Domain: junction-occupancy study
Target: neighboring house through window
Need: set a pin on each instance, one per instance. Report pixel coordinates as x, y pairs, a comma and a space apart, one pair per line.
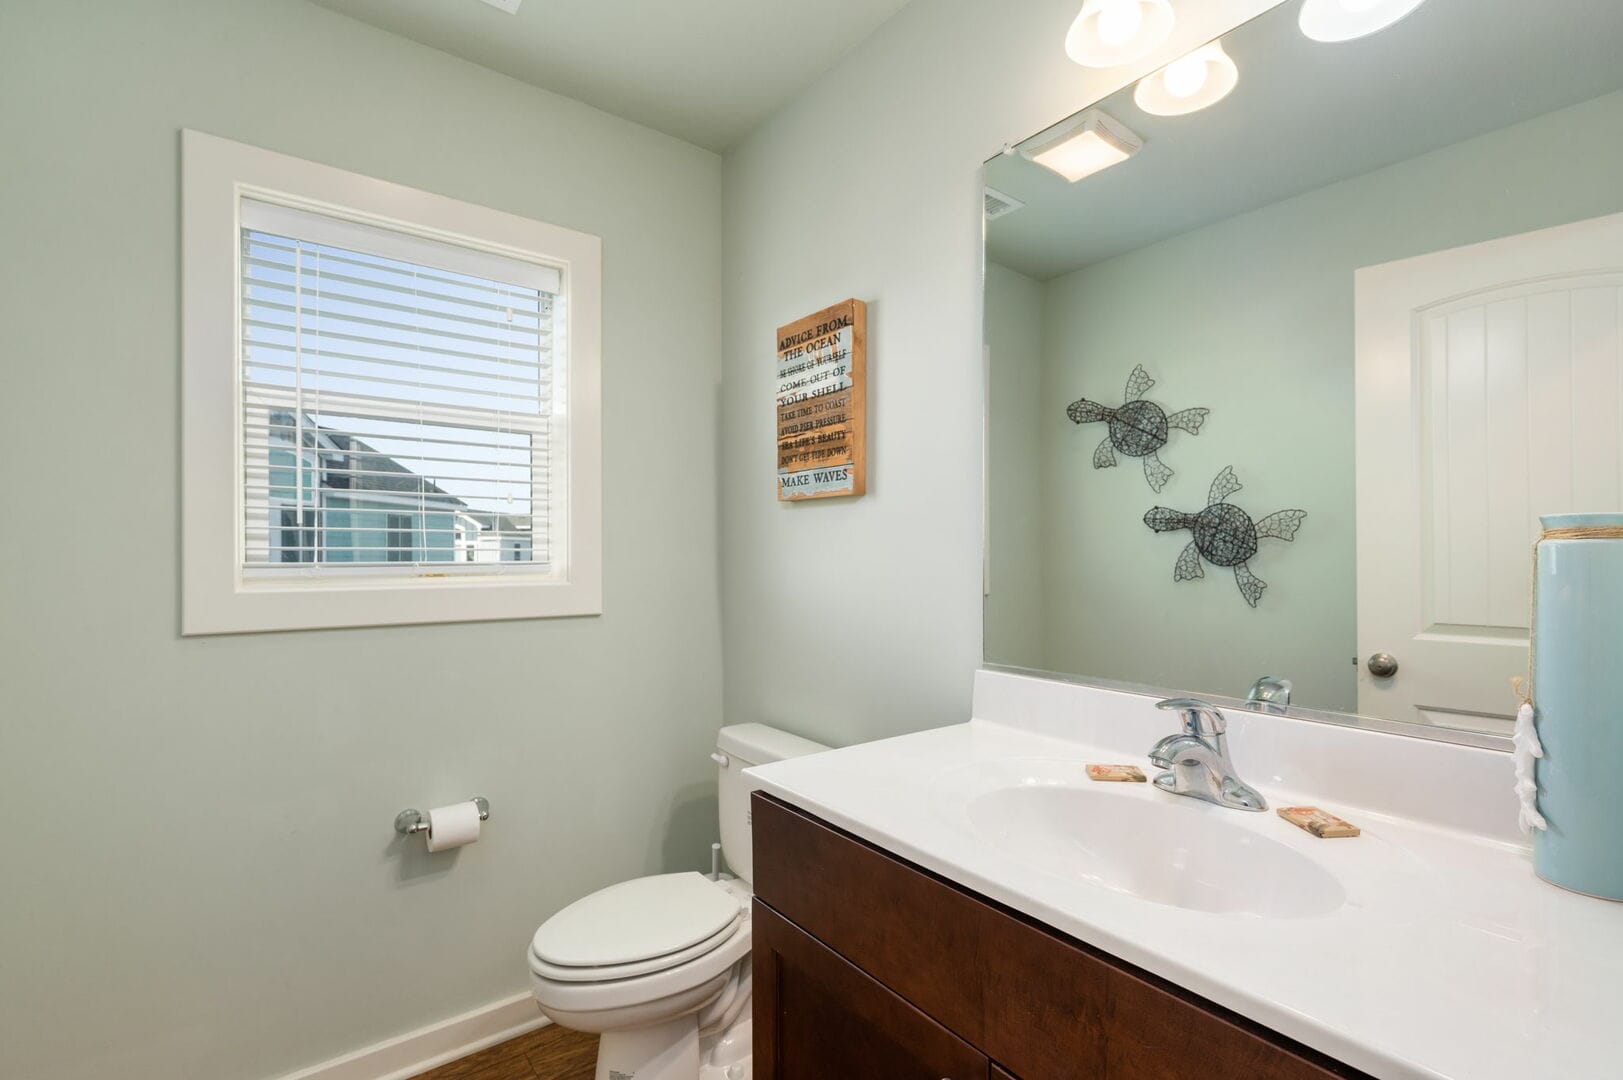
298, 536
401, 531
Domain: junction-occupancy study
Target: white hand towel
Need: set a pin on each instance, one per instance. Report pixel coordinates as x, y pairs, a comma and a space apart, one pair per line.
1527, 748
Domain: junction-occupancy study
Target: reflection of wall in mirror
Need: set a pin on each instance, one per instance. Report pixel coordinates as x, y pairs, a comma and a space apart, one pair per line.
1252, 316
1014, 619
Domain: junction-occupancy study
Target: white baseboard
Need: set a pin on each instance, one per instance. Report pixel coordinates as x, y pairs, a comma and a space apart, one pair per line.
418, 1051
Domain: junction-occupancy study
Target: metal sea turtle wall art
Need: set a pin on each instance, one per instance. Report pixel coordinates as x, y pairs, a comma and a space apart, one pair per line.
1138, 428
1225, 535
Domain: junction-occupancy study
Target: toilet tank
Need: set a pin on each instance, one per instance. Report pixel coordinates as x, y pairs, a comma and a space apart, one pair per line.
738, 747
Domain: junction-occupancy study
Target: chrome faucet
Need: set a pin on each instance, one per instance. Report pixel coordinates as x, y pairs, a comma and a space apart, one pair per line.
1197, 759
1269, 694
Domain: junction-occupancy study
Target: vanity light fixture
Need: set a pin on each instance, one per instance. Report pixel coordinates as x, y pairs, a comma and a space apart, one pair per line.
1344, 20
1083, 145
1109, 33
1189, 84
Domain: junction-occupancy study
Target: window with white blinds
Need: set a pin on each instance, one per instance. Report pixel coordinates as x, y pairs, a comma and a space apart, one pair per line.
401, 399
390, 402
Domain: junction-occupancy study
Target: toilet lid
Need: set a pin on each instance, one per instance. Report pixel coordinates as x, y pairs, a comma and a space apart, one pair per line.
637, 920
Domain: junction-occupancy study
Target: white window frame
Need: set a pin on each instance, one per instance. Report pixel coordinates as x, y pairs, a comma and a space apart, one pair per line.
217, 595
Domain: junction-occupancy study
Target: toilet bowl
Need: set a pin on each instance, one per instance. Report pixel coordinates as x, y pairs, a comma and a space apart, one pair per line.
659, 967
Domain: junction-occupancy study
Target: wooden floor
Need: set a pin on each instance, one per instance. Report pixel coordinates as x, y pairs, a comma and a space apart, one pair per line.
552, 1053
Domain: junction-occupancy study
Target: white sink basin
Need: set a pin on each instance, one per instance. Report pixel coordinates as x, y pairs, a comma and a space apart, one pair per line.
1166, 849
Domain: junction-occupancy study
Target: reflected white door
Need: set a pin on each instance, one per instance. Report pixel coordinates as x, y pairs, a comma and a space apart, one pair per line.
1489, 391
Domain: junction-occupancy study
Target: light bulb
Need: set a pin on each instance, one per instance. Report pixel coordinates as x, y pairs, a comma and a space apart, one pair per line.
1120, 22
1345, 20
1185, 77
1188, 84
1109, 33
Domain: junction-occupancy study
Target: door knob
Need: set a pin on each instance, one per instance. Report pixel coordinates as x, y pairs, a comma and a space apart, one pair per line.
1383, 665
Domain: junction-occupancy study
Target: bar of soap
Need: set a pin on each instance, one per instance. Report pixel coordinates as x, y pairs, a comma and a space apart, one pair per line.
1321, 823
1116, 774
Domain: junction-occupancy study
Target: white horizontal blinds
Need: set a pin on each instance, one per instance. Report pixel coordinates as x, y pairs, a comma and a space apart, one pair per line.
397, 411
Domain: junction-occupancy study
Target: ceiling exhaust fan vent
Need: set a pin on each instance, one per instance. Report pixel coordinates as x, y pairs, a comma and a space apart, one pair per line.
1000, 205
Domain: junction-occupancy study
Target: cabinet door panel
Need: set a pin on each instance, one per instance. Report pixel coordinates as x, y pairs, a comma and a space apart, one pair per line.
900, 925
818, 1017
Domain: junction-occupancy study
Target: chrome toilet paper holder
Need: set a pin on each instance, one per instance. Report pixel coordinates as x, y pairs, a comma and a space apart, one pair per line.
415, 821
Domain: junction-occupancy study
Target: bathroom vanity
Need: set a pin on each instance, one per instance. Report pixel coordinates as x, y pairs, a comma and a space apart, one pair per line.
867, 966
964, 900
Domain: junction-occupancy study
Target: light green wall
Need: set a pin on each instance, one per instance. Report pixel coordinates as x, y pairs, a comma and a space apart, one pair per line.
1253, 317
200, 878
1014, 500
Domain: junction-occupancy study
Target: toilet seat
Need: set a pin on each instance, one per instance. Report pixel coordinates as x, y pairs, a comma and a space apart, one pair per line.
704, 975
636, 921
650, 966
700, 968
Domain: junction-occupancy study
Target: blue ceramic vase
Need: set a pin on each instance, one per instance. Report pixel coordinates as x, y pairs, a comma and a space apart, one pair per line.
1578, 697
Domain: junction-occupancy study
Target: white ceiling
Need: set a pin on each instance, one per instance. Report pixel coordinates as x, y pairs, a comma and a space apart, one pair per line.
707, 71
1306, 115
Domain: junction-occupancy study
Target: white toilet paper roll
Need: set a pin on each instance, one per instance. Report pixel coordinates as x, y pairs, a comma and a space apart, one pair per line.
452, 826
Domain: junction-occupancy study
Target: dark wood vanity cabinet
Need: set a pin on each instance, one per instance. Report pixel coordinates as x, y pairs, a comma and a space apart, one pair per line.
831, 1020
869, 967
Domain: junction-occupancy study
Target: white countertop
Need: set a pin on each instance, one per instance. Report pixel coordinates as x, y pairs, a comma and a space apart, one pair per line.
1448, 961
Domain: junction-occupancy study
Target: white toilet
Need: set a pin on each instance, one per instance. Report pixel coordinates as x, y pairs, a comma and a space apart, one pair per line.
660, 966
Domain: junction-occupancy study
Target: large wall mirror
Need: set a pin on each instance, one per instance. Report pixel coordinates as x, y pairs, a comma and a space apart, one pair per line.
1280, 386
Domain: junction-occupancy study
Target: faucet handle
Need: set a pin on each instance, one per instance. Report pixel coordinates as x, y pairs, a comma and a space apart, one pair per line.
1199, 717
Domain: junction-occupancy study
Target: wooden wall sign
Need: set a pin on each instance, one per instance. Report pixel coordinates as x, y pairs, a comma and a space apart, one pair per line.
823, 404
